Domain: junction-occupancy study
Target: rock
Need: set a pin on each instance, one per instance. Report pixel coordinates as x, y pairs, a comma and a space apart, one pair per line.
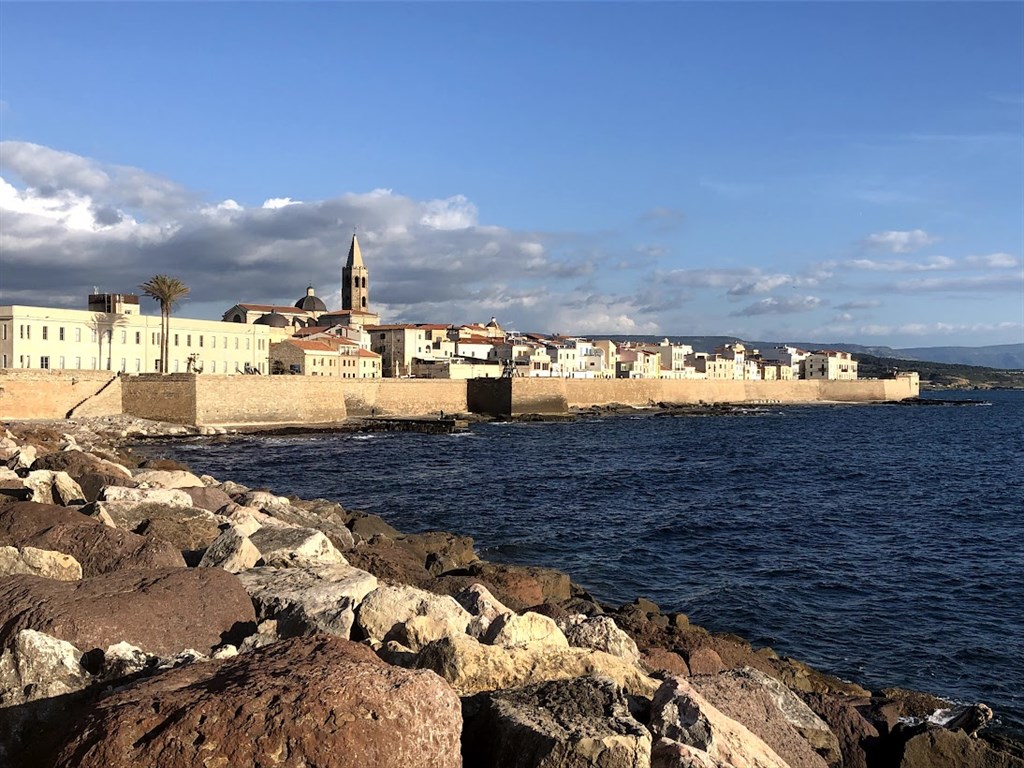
77, 463
483, 606
602, 634
302, 600
37, 666
295, 547
365, 527
521, 586
190, 534
660, 660
98, 548
440, 551
774, 714
159, 611
165, 497
231, 551
49, 487
208, 498
388, 562
165, 464
942, 748
320, 514
472, 667
167, 478
970, 720
303, 702
679, 713
705, 661
858, 738
39, 562
800, 677
509, 630
24, 458
93, 483
579, 722
671, 754
264, 500
384, 612
233, 489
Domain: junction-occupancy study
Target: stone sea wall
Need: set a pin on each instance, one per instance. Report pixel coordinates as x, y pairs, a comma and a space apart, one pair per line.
211, 399
153, 616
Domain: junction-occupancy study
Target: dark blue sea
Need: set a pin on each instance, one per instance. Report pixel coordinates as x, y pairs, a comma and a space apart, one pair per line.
881, 543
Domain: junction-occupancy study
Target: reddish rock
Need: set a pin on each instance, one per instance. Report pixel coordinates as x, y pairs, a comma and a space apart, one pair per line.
317, 701
522, 586
208, 498
389, 562
99, 548
661, 660
858, 738
942, 748
92, 483
705, 661
162, 611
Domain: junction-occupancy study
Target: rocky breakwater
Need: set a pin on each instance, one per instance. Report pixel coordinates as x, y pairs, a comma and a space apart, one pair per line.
150, 616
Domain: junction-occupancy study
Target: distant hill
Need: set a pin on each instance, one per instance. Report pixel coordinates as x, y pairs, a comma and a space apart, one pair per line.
939, 375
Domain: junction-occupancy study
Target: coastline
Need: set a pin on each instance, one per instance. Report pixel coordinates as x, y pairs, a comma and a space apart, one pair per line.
870, 728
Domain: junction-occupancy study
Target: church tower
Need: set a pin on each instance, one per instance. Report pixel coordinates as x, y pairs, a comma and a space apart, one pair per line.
355, 290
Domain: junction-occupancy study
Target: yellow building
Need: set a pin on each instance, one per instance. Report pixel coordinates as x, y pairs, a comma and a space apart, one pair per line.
113, 336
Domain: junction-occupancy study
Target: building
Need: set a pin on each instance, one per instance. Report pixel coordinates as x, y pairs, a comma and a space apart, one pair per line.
122, 340
399, 344
830, 364
324, 356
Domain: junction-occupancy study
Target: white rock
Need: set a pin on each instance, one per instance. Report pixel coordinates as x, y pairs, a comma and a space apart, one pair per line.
167, 478
49, 487
39, 562
385, 611
168, 497
510, 630
295, 547
263, 500
231, 551
24, 458
602, 634
483, 606
39, 667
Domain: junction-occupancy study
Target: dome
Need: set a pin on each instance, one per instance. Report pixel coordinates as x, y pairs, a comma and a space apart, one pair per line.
310, 302
273, 319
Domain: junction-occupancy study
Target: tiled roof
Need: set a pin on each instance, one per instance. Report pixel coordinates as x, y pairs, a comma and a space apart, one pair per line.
272, 308
311, 345
367, 353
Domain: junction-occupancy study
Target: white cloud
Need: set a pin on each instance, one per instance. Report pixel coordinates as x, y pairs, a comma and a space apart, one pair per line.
279, 202
898, 241
901, 265
994, 261
774, 306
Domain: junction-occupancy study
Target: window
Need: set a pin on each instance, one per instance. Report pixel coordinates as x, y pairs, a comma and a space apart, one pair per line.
236, 342
46, 332
44, 361
78, 363
5, 334
61, 365
78, 334
175, 344
213, 342
188, 340
93, 334
138, 337
248, 342
92, 363
60, 333
175, 366
138, 364
21, 331
28, 331
3, 360
214, 370
200, 341
122, 368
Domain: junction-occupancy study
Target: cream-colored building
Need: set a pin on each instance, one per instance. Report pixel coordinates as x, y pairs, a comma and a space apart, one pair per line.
830, 364
126, 341
398, 345
637, 363
324, 356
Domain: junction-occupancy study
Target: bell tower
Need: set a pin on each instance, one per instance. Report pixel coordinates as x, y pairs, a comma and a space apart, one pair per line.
355, 281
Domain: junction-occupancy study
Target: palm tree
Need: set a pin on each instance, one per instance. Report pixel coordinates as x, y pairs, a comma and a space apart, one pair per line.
168, 291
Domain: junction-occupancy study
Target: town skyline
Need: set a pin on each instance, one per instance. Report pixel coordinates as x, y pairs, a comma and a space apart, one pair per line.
856, 175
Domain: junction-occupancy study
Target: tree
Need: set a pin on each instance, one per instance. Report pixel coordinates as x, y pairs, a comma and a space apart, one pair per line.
167, 291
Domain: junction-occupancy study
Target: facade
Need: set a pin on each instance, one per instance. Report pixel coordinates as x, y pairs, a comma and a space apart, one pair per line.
325, 356
398, 345
830, 364
126, 341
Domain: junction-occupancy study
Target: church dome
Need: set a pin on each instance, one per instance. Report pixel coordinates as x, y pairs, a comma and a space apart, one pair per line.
310, 302
273, 319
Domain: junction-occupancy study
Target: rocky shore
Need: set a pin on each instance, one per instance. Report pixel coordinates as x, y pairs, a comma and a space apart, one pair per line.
153, 616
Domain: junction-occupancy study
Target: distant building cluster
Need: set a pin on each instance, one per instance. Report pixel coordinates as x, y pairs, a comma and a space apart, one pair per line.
306, 339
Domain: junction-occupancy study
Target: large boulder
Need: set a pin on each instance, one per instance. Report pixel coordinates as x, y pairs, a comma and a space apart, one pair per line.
311, 701
509, 630
385, 612
37, 666
232, 551
39, 562
323, 515
774, 713
303, 600
482, 605
522, 586
580, 722
440, 551
295, 547
167, 478
49, 487
97, 547
680, 714
208, 498
390, 562
602, 634
943, 748
472, 667
161, 611
858, 738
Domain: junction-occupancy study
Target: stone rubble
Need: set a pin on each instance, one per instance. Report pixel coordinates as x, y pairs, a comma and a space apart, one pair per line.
150, 615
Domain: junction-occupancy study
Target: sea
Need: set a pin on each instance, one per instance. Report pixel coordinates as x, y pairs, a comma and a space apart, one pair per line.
880, 543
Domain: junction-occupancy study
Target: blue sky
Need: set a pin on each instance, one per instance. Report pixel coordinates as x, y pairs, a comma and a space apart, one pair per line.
782, 171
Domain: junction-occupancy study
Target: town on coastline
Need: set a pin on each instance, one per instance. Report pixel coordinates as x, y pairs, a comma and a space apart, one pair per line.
351, 343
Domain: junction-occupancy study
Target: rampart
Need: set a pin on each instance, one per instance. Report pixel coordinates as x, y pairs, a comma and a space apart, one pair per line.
209, 399
27, 393
516, 397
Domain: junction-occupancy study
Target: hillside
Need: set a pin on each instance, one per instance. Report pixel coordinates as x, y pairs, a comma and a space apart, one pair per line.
940, 375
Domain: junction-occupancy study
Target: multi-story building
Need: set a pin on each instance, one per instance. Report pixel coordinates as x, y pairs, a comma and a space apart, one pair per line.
114, 336
398, 345
830, 364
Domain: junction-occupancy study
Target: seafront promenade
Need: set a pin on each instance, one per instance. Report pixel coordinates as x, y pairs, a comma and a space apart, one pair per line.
217, 400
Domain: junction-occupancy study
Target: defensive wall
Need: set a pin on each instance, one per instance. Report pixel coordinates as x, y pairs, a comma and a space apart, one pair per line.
28, 393
516, 397
210, 399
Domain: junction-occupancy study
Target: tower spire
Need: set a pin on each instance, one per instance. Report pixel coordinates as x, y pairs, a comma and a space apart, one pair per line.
355, 284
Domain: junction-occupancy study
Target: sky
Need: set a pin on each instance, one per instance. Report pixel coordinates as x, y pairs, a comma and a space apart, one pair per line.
804, 172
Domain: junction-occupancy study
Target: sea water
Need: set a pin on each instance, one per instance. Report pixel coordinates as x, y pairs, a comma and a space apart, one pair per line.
880, 543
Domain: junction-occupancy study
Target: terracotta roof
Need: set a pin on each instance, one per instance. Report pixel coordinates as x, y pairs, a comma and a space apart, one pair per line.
310, 330
367, 353
311, 345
